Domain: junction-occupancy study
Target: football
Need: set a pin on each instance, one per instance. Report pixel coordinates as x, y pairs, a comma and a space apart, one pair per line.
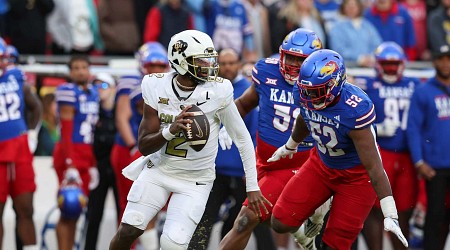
197, 132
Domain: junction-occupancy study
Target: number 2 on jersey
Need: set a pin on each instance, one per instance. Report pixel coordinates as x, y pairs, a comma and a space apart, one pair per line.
9, 107
172, 146
326, 131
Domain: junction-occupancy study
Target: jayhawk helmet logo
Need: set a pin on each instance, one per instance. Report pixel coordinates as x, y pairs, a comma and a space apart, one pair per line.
328, 69
316, 44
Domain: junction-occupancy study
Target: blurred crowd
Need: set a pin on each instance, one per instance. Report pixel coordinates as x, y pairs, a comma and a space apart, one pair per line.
254, 28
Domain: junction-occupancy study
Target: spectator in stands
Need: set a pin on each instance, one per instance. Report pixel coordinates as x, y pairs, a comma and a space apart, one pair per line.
329, 11
393, 24
355, 32
49, 133
438, 27
118, 27
428, 134
295, 14
166, 20
277, 29
73, 26
228, 25
197, 9
141, 8
258, 16
417, 9
26, 24
78, 106
104, 135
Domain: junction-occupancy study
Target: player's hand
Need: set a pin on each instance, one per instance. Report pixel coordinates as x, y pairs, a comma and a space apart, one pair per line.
180, 121
225, 140
256, 201
387, 128
94, 179
72, 175
32, 140
426, 171
282, 152
391, 225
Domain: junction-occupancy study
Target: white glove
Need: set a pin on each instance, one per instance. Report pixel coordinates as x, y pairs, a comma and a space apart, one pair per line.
94, 178
282, 152
72, 175
391, 225
225, 140
387, 128
32, 140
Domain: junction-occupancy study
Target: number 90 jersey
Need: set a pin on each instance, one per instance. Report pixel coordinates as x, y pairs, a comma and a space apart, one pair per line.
277, 111
177, 158
330, 126
12, 105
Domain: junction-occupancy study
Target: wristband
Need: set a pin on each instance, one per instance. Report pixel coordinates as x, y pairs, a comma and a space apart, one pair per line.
388, 207
291, 144
166, 134
419, 163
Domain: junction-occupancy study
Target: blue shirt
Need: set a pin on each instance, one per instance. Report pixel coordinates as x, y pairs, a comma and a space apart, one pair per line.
228, 162
428, 128
330, 126
86, 104
12, 105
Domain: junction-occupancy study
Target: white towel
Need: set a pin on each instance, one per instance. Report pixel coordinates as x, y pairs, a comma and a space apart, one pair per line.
135, 168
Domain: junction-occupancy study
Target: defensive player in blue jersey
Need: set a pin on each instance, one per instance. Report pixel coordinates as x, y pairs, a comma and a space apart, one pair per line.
345, 163
16, 169
78, 107
272, 92
390, 92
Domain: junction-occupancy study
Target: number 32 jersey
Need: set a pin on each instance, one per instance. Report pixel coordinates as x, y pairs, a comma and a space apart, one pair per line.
330, 126
12, 105
177, 158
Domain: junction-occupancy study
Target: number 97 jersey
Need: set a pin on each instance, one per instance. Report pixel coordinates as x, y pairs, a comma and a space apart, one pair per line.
330, 126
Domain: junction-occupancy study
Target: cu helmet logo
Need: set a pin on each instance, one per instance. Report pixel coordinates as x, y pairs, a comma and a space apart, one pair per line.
180, 46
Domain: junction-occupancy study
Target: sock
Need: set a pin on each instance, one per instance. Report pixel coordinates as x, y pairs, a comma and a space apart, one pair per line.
30, 247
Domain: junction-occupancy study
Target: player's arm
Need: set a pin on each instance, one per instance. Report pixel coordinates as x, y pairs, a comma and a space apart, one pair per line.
247, 101
33, 106
66, 115
366, 147
123, 115
229, 116
150, 137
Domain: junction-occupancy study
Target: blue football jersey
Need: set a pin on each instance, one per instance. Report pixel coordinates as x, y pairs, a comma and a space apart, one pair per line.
12, 105
277, 111
125, 86
391, 102
86, 104
136, 100
330, 126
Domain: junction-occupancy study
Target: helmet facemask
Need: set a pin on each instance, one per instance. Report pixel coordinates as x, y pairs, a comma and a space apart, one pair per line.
290, 63
390, 71
203, 68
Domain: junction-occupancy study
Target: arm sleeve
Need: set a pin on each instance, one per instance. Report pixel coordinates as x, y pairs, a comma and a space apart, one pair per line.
233, 122
413, 131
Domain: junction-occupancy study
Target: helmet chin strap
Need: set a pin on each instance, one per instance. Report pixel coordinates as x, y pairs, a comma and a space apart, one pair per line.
391, 79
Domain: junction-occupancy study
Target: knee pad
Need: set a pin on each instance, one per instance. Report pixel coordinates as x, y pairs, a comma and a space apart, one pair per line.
169, 244
134, 218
